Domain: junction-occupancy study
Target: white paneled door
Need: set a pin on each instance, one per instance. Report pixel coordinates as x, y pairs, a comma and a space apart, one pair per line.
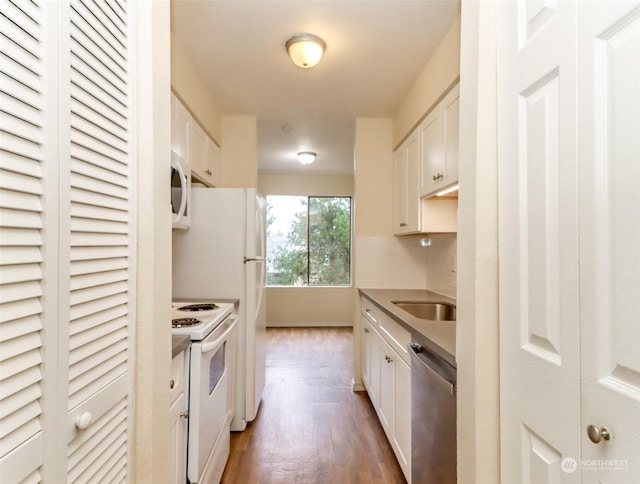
609, 154
66, 240
569, 145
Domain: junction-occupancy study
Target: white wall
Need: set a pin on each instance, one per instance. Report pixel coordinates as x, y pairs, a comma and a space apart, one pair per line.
150, 436
308, 306
438, 75
477, 329
189, 87
441, 259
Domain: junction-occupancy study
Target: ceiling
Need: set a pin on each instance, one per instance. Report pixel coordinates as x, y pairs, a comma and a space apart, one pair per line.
375, 51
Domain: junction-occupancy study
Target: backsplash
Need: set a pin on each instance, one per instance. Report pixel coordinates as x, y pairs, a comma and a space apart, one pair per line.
390, 262
441, 265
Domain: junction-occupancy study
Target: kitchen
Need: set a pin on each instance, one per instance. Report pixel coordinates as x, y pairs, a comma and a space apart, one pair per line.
482, 409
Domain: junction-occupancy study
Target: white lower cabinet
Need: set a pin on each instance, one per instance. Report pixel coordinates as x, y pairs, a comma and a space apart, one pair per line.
178, 418
387, 377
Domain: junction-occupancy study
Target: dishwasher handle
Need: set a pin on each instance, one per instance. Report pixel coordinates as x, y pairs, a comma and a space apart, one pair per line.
435, 366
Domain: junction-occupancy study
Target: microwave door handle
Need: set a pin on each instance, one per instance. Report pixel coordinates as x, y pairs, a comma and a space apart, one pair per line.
207, 347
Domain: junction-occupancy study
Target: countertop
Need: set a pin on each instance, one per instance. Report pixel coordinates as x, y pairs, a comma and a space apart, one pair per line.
179, 344
438, 336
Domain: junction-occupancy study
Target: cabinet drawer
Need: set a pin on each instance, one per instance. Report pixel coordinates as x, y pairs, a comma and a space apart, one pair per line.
371, 311
397, 337
176, 377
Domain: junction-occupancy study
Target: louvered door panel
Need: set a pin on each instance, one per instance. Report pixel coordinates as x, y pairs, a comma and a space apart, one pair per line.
22, 153
100, 240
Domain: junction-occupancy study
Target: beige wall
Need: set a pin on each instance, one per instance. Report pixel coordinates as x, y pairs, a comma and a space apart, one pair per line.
308, 306
305, 185
189, 87
150, 459
438, 75
477, 329
239, 167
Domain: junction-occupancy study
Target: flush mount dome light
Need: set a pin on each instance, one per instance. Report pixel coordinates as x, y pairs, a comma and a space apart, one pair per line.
306, 157
305, 50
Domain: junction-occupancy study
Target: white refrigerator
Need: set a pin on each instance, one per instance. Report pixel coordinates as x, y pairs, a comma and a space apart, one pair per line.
222, 256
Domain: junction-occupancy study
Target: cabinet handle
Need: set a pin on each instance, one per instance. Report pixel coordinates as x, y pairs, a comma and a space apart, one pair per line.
184, 414
208, 172
596, 435
172, 384
402, 224
84, 420
438, 176
366, 330
388, 358
367, 310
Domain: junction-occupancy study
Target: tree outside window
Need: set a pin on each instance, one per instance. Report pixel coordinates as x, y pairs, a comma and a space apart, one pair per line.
308, 241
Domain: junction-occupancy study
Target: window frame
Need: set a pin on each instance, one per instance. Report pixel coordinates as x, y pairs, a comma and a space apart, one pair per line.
349, 264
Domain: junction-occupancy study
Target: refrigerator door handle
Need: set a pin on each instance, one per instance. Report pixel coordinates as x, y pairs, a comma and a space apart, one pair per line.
253, 259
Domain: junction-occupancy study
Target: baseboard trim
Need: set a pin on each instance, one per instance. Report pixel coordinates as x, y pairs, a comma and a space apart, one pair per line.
323, 324
357, 386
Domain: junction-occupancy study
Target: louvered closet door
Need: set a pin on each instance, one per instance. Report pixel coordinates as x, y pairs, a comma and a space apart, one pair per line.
66, 240
22, 156
96, 202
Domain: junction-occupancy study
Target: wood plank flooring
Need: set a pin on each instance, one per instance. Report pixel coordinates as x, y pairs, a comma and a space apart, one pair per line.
311, 427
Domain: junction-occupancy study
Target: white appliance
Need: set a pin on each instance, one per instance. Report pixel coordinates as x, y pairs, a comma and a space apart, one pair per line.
180, 192
223, 255
212, 329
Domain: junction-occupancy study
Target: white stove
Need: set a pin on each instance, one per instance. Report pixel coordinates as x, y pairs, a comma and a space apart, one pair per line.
197, 319
212, 329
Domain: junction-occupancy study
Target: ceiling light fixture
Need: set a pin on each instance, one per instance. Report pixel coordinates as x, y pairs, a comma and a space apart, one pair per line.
306, 157
305, 50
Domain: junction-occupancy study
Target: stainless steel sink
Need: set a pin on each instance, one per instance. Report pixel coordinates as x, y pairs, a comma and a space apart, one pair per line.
433, 311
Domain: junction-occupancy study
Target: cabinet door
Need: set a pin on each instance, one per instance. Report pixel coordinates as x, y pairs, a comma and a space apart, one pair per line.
450, 133
386, 388
374, 365
400, 168
366, 354
431, 152
402, 414
212, 163
178, 440
412, 183
180, 121
197, 148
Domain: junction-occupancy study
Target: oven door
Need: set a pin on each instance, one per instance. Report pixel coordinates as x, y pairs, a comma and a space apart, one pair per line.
212, 361
180, 192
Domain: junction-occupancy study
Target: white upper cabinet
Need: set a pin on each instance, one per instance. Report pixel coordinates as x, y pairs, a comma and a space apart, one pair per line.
192, 143
439, 145
197, 148
180, 121
212, 162
411, 214
406, 205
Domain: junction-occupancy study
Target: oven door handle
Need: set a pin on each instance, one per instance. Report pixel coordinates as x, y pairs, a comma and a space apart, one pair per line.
207, 347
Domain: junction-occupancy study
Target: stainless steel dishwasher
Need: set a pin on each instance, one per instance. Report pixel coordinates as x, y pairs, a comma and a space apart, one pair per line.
433, 418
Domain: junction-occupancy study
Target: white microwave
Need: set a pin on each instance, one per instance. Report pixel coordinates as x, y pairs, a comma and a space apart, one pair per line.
180, 192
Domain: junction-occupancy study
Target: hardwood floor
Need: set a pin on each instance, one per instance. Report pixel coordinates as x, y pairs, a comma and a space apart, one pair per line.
311, 427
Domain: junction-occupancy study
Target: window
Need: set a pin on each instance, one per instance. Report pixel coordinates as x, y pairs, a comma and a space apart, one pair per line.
308, 241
